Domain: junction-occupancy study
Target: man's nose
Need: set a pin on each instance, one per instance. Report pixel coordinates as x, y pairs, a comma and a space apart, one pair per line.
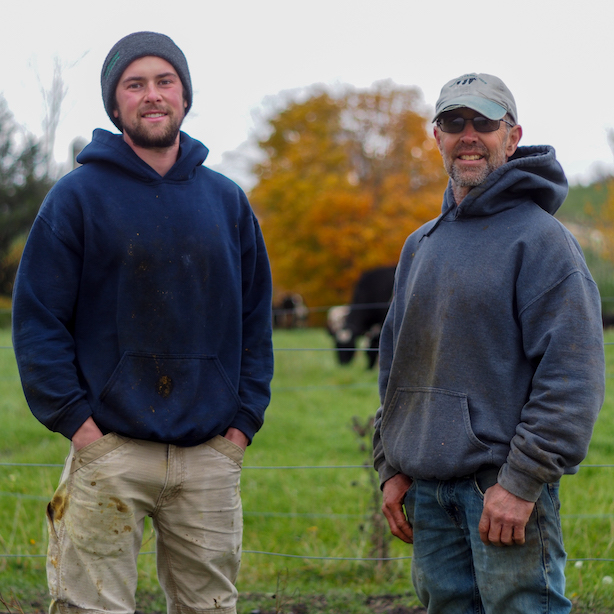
151, 92
469, 132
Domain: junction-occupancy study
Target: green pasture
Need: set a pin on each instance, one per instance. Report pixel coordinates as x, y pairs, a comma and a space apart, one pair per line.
311, 507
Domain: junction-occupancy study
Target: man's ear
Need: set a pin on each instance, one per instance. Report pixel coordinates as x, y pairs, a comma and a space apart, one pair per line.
437, 137
115, 113
513, 138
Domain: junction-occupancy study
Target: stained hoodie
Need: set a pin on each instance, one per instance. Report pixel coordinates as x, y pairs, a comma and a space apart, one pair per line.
492, 351
145, 301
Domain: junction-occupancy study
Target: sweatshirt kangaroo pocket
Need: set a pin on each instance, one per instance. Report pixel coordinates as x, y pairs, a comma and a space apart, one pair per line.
183, 399
427, 434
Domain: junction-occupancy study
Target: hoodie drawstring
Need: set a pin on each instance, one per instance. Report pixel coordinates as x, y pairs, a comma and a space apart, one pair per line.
439, 220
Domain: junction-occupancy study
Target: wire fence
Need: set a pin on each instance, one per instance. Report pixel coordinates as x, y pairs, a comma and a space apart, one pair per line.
306, 515
297, 515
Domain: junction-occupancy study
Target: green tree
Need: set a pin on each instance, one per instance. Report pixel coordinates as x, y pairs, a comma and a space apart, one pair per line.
23, 185
345, 178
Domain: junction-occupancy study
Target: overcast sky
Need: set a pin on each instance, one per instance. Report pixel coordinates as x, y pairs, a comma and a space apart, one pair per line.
555, 56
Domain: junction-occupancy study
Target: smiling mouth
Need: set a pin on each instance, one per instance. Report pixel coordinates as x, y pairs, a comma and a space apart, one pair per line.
154, 115
470, 157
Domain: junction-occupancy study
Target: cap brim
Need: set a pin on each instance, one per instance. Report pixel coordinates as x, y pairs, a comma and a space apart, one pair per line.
485, 107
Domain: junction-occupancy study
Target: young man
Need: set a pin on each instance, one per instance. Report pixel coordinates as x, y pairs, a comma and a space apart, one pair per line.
491, 369
142, 329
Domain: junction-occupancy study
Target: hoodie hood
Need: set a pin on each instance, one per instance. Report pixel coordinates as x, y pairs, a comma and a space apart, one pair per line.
532, 173
111, 148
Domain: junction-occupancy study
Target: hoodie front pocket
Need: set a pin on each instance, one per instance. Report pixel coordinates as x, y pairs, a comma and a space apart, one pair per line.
427, 432
174, 396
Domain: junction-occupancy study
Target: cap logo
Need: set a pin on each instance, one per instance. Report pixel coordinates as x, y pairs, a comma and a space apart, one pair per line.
468, 80
112, 63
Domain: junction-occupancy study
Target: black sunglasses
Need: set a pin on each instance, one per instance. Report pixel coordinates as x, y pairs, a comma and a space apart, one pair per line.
456, 124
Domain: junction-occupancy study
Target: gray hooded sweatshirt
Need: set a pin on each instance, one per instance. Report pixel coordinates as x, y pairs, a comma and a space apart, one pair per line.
492, 351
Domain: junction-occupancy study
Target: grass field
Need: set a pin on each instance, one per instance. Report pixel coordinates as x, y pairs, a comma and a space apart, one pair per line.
297, 499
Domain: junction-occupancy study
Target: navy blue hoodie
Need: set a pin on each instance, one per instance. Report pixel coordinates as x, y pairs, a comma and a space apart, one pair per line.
492, 351
145, 301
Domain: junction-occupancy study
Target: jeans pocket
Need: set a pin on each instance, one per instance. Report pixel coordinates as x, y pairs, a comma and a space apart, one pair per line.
409, 501
485, 478
228, 448
97, 449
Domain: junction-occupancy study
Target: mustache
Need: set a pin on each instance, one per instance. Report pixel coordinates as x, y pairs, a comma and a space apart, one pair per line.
479, 150
155, 109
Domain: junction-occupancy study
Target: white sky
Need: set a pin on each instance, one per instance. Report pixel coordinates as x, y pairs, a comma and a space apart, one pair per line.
555, 56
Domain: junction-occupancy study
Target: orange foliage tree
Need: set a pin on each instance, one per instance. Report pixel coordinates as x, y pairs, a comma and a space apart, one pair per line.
345, 178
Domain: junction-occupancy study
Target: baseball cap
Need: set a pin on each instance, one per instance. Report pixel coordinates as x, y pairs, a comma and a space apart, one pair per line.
486, 94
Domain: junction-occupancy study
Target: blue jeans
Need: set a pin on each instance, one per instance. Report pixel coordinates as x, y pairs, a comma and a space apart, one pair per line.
455, 573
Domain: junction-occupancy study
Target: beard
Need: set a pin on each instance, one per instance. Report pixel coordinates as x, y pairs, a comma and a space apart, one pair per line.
470, 178
152, 138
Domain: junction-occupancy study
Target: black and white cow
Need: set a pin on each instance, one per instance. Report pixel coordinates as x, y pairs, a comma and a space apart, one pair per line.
290, 311
364, 317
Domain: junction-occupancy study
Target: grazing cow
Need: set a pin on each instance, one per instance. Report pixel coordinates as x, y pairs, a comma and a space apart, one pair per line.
365, 316
290, 311
607, 319
335, 320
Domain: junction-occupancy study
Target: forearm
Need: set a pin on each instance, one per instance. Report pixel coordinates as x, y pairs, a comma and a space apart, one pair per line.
384, 470
567, 388
257, 347
43, 312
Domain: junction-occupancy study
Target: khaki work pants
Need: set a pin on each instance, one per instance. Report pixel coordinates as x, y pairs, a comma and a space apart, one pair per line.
96, 520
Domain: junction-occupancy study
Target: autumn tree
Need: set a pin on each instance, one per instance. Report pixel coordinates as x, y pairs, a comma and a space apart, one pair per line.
23, 185
596, 232
345, 178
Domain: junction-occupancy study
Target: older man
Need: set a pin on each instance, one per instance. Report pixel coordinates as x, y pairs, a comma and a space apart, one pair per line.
492, 369
142, 329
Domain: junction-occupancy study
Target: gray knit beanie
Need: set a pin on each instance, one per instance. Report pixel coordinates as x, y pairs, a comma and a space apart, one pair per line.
133, 47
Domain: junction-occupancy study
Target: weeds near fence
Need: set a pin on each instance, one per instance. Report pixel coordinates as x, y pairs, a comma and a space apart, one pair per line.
12, 607
379, 534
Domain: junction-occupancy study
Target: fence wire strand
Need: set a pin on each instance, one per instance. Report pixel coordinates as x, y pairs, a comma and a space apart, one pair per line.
298, 467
